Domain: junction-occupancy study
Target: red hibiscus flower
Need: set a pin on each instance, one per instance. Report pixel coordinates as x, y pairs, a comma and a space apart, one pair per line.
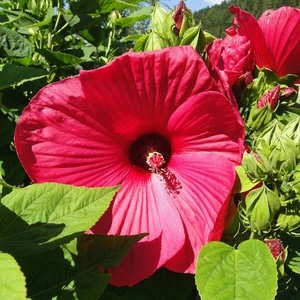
156, 123
274, 38
232, 55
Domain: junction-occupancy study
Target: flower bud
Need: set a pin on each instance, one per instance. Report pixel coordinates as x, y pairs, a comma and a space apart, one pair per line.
289, 218
261, 206
254, 167
296, 181
259, 116
162, 34
271, 133
278, 252
195, 37
283, 157
234, 55
271, 96
276, 248
292, 130
183, 18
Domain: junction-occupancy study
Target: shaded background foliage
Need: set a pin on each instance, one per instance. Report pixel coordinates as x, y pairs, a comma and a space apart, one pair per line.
43, 41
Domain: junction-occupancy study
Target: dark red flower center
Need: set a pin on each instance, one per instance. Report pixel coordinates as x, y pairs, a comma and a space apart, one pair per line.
150, 152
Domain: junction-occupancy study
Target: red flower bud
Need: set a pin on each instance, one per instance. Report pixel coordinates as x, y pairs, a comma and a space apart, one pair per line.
272, 96
276, 248
233, 55
178, 16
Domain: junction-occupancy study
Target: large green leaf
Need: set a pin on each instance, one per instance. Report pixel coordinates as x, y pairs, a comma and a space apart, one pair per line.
59, 58
11, 75
20, 18
12, 280
13, 44
135, 16
246, 273
102, 6
43, 216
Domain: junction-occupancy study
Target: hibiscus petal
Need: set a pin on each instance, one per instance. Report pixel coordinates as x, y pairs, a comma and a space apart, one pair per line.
59, 139
207, 122
141, 90
248, 26
143, 205
282, 30
206, 180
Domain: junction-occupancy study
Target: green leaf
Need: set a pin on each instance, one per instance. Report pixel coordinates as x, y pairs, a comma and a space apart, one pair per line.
59, 58
11, 75
102, 6
54, 273
135, 16
106, 250
244, 182
43, 216
165, 285
247, 273
13, 44
19, 18
12, 280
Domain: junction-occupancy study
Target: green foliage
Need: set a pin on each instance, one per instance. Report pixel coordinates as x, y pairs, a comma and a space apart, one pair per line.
12, 280
43, 216
224, 272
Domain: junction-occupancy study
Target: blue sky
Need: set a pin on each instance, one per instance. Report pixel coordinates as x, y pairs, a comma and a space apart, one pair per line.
191, 4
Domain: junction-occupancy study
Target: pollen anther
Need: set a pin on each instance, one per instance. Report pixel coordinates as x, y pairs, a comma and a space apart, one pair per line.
155, 161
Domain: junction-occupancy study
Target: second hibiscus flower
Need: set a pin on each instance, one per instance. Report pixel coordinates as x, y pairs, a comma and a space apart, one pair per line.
157, 124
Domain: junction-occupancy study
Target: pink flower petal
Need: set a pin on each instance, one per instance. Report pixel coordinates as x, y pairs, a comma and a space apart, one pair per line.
207, 122
281, 29
201, 201
248, 26
143, 205
150, 86
59, 139
179, 221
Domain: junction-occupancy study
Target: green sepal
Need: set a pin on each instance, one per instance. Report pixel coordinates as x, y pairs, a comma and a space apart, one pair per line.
288, 79
283, 158
292, 130
187, 22
254, 167
259, 117
141, 43
245, 182
261, 206
195, 37
208, 37
289, 217
162, 34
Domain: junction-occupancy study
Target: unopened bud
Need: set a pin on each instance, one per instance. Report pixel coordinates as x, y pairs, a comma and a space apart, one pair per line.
271, 96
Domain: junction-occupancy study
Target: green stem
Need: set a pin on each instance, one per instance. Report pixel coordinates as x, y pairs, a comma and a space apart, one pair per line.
3, 183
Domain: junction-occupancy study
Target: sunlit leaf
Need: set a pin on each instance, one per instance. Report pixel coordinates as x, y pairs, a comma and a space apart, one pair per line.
103, 6
43, 216
135, 16
12, 280
246, 273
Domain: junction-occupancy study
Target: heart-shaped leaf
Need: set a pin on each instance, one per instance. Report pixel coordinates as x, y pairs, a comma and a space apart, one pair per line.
246, 273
